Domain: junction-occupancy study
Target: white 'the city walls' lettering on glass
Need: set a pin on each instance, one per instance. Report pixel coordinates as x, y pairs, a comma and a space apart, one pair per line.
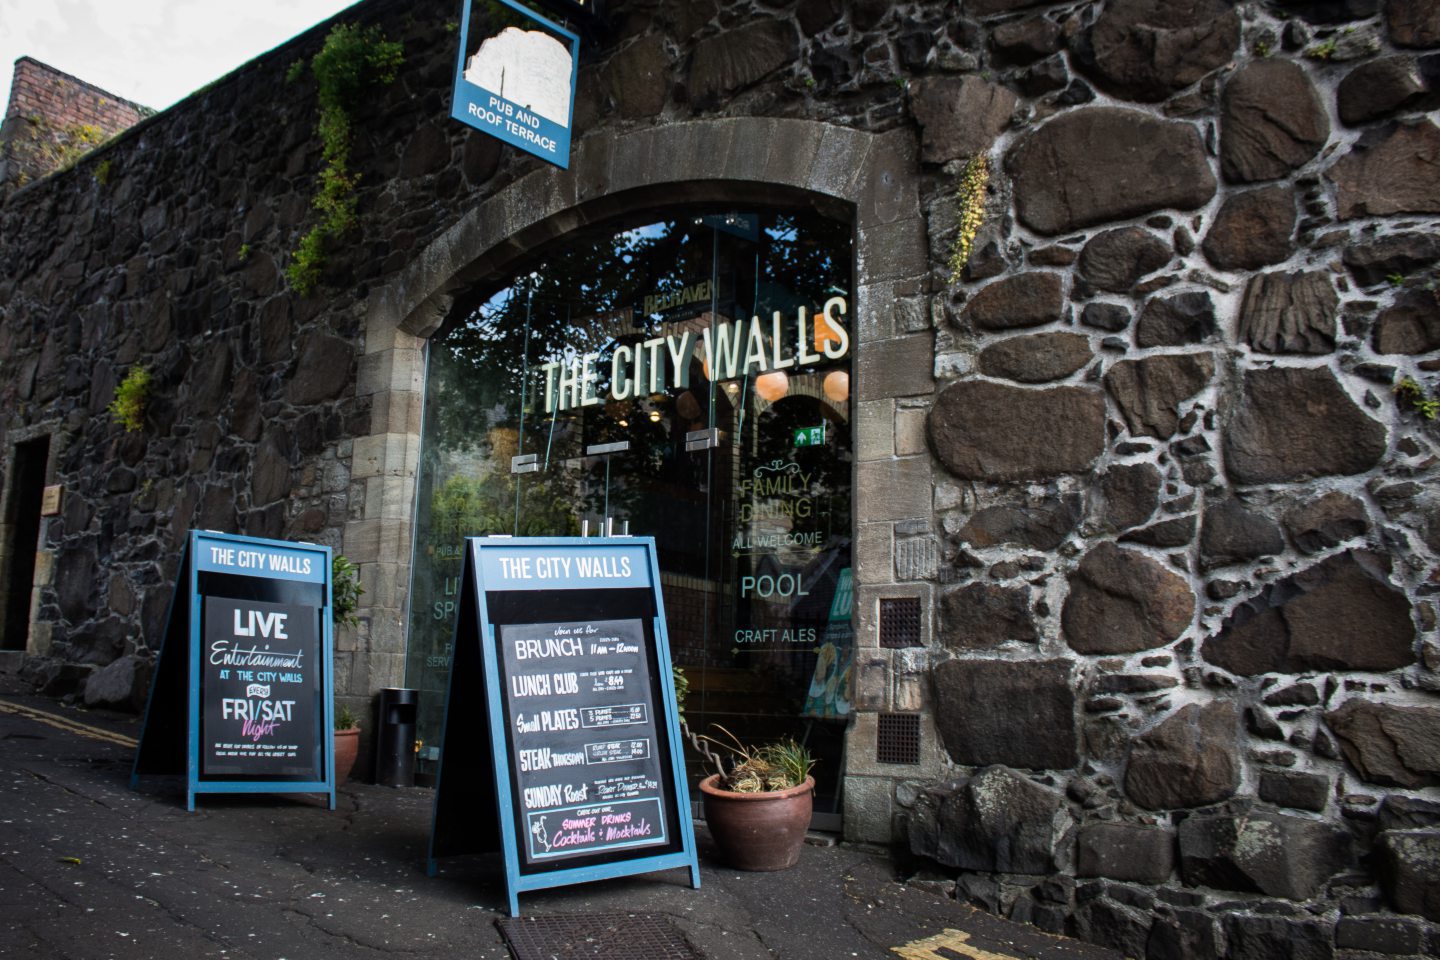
732, 349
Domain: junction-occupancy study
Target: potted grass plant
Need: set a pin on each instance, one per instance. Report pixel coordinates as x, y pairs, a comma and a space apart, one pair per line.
345, 592
758, 804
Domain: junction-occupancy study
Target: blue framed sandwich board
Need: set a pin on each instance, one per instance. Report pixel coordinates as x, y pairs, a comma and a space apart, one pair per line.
561, 745
243, 696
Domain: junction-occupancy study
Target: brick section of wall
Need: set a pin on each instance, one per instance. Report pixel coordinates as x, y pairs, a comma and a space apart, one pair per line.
51, 108
65, 101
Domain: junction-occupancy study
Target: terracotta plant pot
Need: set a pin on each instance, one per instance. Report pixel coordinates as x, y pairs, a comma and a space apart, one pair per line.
758, 831
347, 747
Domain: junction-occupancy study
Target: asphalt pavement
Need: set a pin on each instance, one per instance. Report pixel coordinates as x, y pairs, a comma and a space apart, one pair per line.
92, 869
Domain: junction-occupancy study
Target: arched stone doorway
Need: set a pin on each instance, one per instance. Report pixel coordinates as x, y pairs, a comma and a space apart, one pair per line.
735, 161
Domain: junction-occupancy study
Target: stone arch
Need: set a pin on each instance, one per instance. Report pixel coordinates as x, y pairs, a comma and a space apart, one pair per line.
742, 159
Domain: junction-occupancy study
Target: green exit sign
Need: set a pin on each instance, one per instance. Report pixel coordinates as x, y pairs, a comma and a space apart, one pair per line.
809, 436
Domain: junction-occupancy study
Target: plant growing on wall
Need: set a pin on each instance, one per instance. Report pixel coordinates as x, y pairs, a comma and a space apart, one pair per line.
1410, 395
345, 591
974, 180
353, 61
131, 395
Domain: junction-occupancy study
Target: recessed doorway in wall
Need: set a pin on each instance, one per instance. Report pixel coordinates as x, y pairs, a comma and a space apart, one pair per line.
21, 538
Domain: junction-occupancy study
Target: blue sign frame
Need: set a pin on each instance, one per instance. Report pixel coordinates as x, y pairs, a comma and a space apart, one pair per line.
179, 667
462, 820
513, 123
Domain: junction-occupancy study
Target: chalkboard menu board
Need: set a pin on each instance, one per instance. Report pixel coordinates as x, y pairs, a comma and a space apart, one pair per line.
585, 777
246, 662
577, 697
260, 688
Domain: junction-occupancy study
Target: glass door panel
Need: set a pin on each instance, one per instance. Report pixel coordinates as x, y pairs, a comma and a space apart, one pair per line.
683, 378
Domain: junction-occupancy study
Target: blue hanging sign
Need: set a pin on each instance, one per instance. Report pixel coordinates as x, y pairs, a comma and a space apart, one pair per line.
246, 661
562, 669
515, 77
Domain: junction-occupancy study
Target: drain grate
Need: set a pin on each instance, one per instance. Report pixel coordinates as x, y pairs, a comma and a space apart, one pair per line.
900, 622
897, 738
608, 937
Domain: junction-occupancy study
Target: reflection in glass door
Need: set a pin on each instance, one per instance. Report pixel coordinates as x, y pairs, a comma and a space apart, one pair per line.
683, 378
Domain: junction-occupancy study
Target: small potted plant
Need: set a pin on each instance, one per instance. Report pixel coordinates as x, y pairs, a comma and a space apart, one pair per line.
345, 591
347, 744
758, 805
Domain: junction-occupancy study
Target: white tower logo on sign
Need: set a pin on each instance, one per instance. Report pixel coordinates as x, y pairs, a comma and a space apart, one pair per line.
526, 67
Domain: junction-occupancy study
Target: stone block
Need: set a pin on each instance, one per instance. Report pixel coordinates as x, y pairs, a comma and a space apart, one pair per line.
1133, 852
872, 680
1285, 312
899, 367
1387, 172
1115, 260
874, 316
1277, 938
1387, 935
367, 541
916, 558
874, 553
1029, 299
1149, 391
996, 821
1146, 50
1258, 852
1289, 788
1272, 121
1342, 613
997, 433
393, 498
1329, 521
322, 369
1122, 601
1233, 534
397, 411
890, 251
1294, 423
886, 191
869, 810
910, 436
1389, 744
388, 454
982, 615
1099, 164
987, 712
842, 155
1189, 759
1113, 925
1252, 229
391, 370
1038, 358
875, 430
897, 489
124, 684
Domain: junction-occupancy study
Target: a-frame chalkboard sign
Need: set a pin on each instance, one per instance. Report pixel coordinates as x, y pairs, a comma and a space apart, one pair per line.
561, 747
242, 700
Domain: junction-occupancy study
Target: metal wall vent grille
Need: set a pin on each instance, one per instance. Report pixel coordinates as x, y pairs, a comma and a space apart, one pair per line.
897, 738
900, 622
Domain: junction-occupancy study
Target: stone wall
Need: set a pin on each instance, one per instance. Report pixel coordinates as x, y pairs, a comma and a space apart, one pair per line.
1143, 464
1184, 667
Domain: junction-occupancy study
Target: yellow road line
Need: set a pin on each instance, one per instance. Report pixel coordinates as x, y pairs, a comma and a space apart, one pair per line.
66, 724
952, 942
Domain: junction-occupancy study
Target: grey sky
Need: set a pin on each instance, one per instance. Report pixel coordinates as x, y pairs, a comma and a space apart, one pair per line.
152, 52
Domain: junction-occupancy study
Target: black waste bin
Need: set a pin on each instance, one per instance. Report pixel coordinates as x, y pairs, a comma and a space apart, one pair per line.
395, 746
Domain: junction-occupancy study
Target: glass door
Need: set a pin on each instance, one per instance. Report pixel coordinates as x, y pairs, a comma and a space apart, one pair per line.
685, 378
